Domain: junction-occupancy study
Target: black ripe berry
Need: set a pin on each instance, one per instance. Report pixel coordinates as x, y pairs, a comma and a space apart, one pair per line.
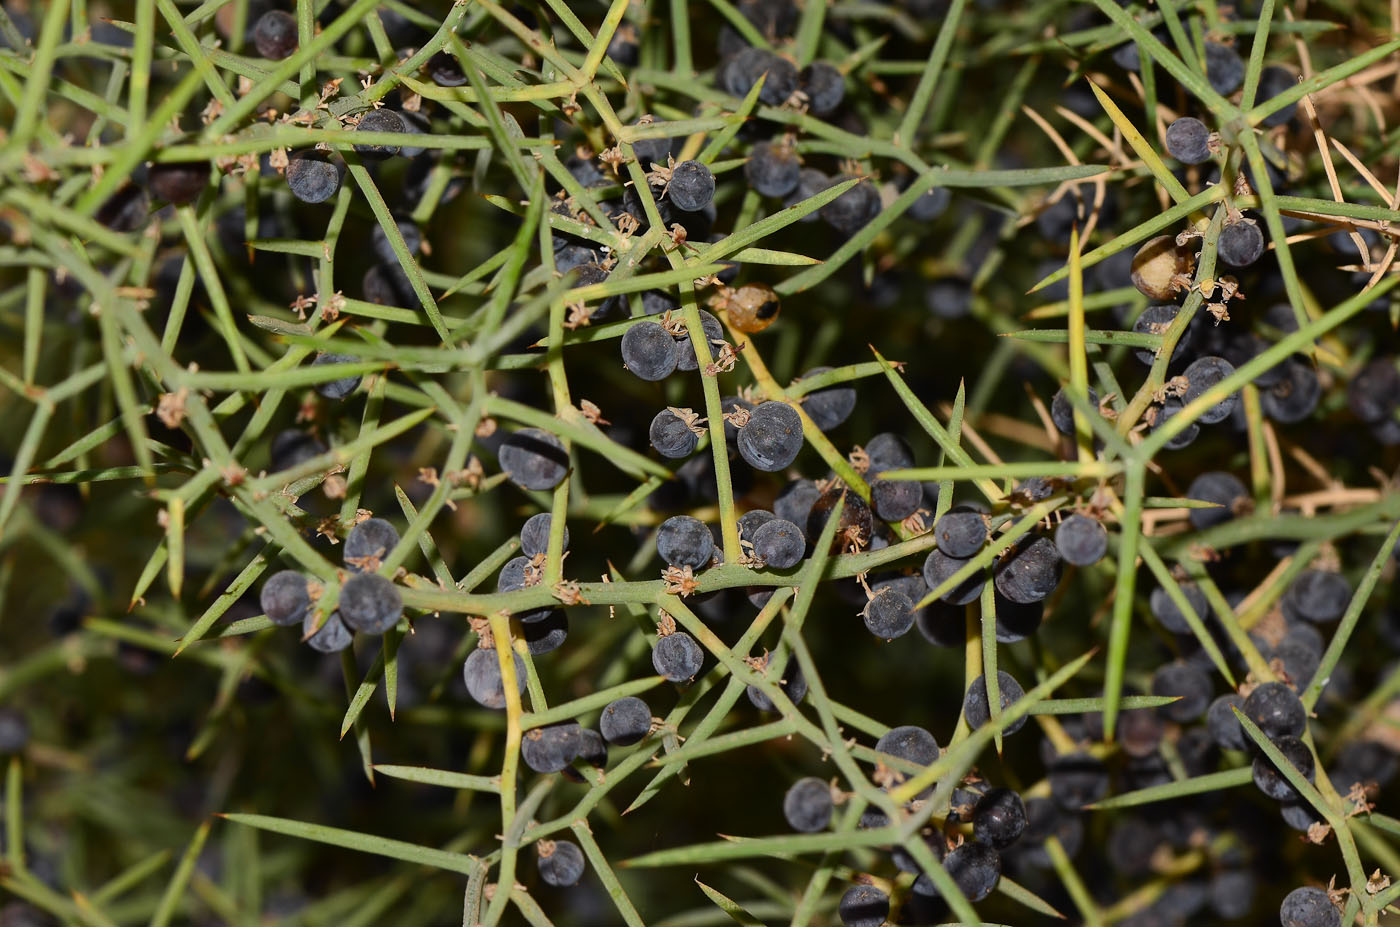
275, 34
1277, 710
960, 533
178, 182
546, 633
1029, 572
368, 544
1274, 80
807, 805
677, 657
625, 721
370, 603
849, 212
1271, 781
751, 521
534, 459
977, 709
1224, 68
939, 567
482, 672
534, 535
823, 85
791, 683
692, 186
1166, 612
445, 70
1188, 140
1081, 540
713, 334
649, 352
313, 177
284, 598
863, 906
672, 436
379, 120
1062, 411
888, 614
828, 407
779, 544
949, 297
1241, 243
1224, 725
561, 862
772, 169
14, 731
909, 743
895, 500
331, 637
126, 210
1319, 596
999, 818
1076, 780
1308, 907
751, 64
1223, 489
772, 437
975, 868
684, 541
549, 749
1295, 395
342, 387
1188, 684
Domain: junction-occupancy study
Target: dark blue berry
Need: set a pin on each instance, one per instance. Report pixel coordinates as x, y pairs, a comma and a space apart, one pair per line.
1076, 780
284, 598
828, 407
337, 389
534, 459
807, 805
625, 721
1062, 411
1223, 725
863, 906
534, 535
1319, 596
1029, 572
685, 541
938, 566
550, 749
910, 743
779, 543
370, 603
313, 177
1190, 685
561, 862
332, 637
446, 71
1274, 80
1224, 489
1081, 540
714, 336
850, 211
14, 732
126, 210
999, 818
895, 500
824, 86
772, 437
1295, 395
408, 230
677, 657
888, 614
976, 708
1277, 710
792, 684
1241, 243
1188, 140
960, 533
368, 543
692, 186
772, 169
482, 673
795, 501
379, 120
1308, 907
547, 633
1271, 781
1166, 612
671, 436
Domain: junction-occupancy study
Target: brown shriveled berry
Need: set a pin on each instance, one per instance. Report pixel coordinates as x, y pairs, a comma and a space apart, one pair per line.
1157, 265
752, 307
